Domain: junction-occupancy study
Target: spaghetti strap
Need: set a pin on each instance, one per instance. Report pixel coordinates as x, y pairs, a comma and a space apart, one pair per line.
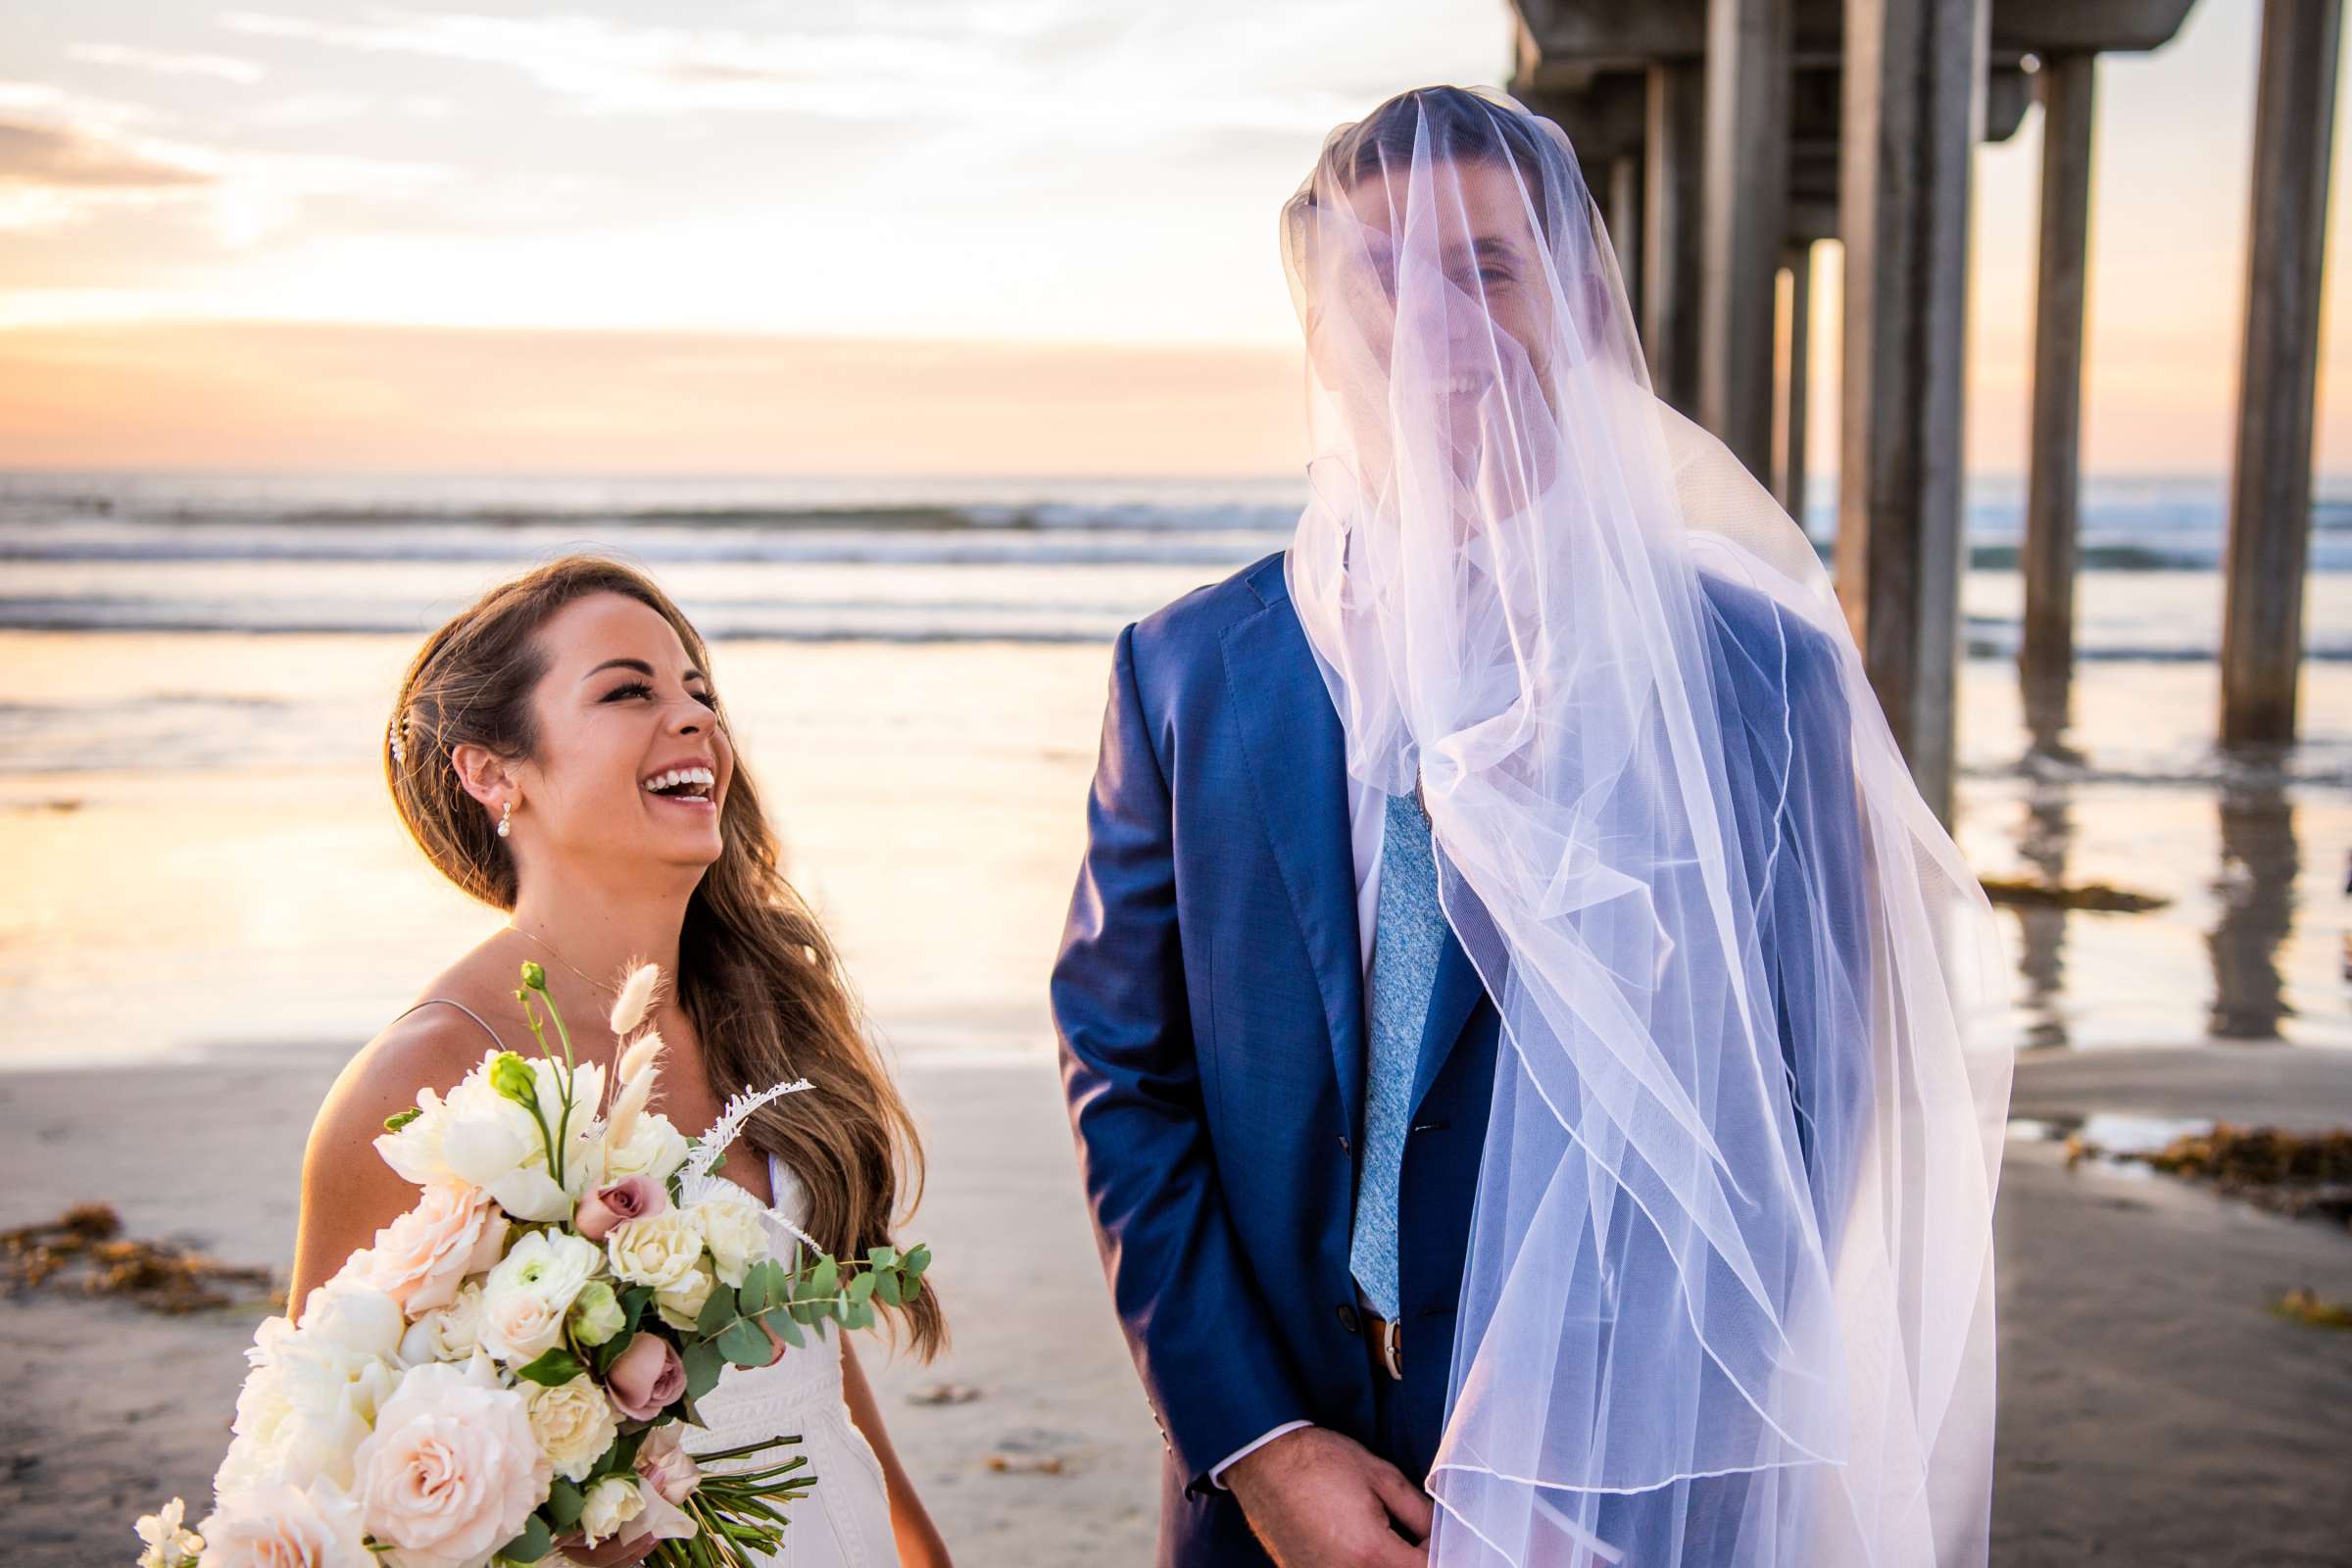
462, 1007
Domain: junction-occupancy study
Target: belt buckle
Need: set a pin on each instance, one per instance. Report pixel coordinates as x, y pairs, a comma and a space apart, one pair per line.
1391, 1343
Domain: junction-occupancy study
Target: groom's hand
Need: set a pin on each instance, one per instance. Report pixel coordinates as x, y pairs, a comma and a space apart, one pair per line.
1318, 1500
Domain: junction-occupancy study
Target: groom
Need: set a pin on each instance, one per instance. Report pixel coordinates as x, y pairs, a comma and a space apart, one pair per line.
1278, 1059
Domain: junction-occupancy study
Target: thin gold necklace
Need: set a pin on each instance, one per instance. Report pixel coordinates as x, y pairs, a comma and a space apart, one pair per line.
601, 989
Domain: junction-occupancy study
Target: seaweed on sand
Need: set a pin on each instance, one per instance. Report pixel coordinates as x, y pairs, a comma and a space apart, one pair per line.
85, 1246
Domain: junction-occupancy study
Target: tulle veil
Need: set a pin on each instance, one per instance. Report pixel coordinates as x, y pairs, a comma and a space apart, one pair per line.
1729, 1293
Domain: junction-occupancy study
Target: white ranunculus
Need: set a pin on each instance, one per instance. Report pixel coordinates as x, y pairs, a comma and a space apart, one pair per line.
681, 1303
660, 1250
525, 1296
446, 1332
732, 1229
610, 1503
653, 1150
575, 1424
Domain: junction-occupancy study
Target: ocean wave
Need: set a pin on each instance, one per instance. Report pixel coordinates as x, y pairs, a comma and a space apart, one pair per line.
1061, 545
914, 537
964, 618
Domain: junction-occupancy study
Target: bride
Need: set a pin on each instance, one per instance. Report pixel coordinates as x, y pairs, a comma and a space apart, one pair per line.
560, 752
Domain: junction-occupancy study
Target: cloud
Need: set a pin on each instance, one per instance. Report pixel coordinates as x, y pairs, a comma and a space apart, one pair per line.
1042, 65
62, 157
65, 158
221, 66
313, 109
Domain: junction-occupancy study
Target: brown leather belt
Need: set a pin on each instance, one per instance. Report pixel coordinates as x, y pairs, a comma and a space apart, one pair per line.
1384, 1341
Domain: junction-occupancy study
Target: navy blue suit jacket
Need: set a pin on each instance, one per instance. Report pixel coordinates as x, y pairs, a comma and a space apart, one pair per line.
1209, 1000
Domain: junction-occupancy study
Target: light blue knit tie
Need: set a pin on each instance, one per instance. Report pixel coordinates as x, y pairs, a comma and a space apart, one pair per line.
1409, 933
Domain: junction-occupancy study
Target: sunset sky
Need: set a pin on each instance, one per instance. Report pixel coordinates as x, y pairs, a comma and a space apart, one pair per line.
1011, 235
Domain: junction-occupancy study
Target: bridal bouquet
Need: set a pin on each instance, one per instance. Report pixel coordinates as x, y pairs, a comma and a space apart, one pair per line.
508, 1371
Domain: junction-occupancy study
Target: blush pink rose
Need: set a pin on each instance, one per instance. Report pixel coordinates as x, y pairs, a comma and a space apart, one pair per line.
645, 1377
621, 1551
606, 1208
420, 1259
668, 1467
452, 1470
279, 1527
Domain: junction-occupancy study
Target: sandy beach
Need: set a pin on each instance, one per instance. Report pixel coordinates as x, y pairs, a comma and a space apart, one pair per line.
173, 1023
2154, 1411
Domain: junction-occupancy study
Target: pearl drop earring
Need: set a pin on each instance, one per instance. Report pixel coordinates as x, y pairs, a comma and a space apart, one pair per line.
505, 821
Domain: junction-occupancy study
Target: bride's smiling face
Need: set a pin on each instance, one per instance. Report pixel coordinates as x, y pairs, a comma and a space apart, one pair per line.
632, 762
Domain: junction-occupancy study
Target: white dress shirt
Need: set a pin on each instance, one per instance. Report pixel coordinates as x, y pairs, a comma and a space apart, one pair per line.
1367, 831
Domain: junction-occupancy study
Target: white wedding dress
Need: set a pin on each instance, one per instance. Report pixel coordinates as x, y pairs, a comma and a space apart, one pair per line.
845, 1521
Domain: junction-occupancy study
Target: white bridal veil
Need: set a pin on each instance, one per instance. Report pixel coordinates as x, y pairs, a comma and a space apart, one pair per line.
1729, 1295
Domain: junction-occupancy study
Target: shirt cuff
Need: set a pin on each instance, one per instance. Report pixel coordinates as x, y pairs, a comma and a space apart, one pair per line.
1216, 1473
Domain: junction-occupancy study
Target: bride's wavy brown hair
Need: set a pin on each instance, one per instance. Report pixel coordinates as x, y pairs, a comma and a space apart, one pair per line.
756, 972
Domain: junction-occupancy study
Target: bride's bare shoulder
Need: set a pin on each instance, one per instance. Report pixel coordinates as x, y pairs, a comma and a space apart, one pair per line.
456, 1020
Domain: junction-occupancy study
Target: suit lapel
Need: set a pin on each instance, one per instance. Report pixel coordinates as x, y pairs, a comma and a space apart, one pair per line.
1299, 771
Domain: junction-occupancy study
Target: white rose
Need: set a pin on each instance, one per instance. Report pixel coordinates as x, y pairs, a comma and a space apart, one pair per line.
446, 1332
610, 1503
261, 1430
525, 1296
348, 1315
731, 1226
574, 1423
681, 1303
518, 1328
654, 1149
314, 1390
660, 1250
332, 1399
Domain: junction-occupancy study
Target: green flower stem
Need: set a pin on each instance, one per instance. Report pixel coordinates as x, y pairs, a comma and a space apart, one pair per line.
555, 1015
721, 1455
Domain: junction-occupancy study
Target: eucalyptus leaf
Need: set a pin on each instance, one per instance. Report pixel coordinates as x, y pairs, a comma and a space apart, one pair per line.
887, 1290
563, 1504
918, 1260
743, 1344
882, 1256
861, 1286
780, 1320
535, 1542
704, 1364
775, 1283
717, 1312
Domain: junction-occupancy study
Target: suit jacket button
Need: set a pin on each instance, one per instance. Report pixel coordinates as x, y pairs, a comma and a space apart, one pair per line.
1348, 1318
